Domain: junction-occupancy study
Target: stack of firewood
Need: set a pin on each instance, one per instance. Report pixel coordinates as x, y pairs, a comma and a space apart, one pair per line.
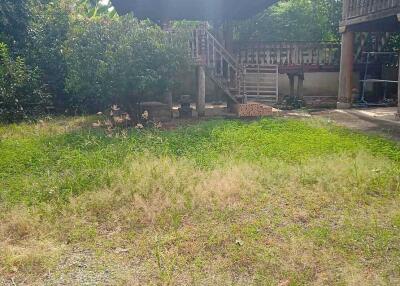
252, 109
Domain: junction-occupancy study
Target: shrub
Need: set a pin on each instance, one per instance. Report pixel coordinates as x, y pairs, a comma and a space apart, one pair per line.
87, 59
21, 93
14, 17
119, 61
48, 28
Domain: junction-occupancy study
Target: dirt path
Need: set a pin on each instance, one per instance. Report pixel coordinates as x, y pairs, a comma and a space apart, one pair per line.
379, 121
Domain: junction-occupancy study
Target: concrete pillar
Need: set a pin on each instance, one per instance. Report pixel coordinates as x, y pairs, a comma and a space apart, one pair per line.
398, 95
300, 84
346, 71
291, 84
201, 91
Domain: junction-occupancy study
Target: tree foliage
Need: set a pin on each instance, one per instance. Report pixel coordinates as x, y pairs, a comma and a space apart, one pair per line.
295, 20
48, 29
84, 55
21, 92
96, 8
122, 61
14, 17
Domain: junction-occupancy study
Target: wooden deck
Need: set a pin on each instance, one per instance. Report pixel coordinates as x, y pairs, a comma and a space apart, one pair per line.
363, 16
290, 56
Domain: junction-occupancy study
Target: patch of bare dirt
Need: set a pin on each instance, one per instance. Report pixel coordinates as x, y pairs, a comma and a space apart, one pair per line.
379, 121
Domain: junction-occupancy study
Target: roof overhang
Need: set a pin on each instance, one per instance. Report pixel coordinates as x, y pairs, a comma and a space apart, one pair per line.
195, 10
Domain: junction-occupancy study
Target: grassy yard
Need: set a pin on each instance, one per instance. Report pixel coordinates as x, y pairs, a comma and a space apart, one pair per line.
269, 202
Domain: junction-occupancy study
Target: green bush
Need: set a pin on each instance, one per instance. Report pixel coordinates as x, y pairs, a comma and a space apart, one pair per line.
48, 28
85, 56
119, 61
21, 93
14, 17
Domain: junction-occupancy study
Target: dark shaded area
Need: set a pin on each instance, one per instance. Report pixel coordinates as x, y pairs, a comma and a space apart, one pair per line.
388, 24
14, 16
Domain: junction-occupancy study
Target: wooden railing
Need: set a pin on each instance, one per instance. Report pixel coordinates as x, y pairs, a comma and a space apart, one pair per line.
319, 55
221, 66
366, 10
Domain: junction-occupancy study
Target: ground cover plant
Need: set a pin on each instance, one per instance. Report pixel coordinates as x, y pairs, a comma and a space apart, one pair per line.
267, 202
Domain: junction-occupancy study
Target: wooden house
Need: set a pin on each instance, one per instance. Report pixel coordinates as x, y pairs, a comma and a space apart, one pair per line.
363, 16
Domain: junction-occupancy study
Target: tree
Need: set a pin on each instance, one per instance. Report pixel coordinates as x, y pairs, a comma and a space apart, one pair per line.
96, 8
119, 61
48, 28
21, 92
295, 20
14, 16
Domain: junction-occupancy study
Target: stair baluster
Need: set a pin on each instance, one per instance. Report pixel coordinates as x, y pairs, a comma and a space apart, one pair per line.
220, 65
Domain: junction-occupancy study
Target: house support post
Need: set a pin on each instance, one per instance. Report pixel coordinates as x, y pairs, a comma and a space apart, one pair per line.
346, 71
201, 90
300, 85
291, 84
398, 94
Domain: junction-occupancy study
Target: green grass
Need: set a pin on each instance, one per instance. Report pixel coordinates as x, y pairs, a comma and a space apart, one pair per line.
37, 167
220, 202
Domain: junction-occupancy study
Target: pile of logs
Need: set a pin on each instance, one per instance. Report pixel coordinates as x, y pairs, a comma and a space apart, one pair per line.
252, 109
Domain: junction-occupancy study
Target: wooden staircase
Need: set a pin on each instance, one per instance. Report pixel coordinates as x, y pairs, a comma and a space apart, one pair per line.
261, 83
220, 65
239, 82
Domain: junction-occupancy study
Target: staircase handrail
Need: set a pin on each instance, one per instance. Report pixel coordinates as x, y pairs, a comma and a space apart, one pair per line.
202, 43
227, 55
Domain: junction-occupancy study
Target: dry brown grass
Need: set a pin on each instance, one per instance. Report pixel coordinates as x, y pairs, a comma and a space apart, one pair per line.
44, 127
24, 247
163, 221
